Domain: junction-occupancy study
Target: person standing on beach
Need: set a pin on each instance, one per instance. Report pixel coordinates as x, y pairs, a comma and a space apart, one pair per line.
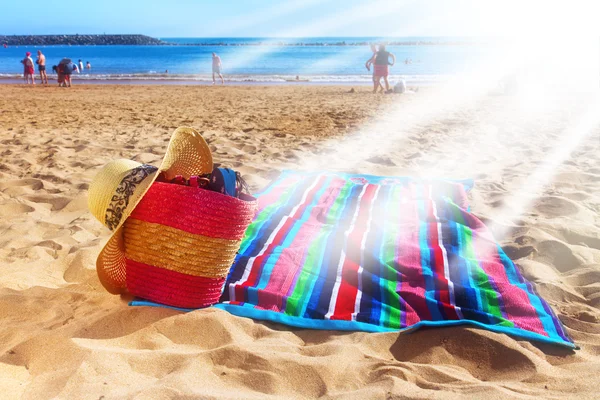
28, 70
381, 63
369, 63
216, 68
66, 68
41, 62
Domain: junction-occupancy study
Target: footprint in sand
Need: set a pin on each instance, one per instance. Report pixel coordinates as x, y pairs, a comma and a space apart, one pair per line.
6, 168
558, 254
516, 252
574, 178
576, 196
14, 209
594, 171
414, 155
33, 184
525, 240
585, 278
57, 203
52, 178
50, 244
292, 155
582, 238
586, 316
503, 360
380, 160
553, 207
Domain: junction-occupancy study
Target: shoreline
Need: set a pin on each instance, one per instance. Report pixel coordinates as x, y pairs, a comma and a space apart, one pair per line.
181, 82
188, 82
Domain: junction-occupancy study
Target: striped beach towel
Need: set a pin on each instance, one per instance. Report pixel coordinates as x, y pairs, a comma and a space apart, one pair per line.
360, 252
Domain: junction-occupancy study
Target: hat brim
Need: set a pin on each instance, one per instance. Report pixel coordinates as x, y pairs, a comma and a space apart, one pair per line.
110, 264
187, 154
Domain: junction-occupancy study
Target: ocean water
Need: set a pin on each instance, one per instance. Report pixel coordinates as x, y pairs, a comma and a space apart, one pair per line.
320, 60
257, 59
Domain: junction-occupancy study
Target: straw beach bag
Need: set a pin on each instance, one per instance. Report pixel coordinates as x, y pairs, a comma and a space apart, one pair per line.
172, 243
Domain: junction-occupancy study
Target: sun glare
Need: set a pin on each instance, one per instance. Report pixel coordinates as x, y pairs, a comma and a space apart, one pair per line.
532, 187
323, 26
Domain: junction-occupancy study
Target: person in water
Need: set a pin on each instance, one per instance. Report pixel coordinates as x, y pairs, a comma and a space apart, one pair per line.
80, 65
28, 70
88, 65
216, 68
41, 62
381, 63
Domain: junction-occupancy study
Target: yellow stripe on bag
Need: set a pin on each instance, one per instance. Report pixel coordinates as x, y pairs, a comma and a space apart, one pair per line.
176, 250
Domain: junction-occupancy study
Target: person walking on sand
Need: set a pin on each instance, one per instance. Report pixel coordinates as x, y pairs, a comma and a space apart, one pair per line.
28, 70
216, 68
381, 63
368, 65
41, 62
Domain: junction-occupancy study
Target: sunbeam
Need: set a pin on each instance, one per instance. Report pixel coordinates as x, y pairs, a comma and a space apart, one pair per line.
517, 203
239, 23
389, 129
319, 27
362, 53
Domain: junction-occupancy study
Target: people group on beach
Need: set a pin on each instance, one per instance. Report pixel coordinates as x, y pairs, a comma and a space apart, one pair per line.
63, 70
380, 61
66, 67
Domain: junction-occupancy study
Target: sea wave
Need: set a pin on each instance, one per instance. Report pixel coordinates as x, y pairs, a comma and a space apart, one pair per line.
341, 79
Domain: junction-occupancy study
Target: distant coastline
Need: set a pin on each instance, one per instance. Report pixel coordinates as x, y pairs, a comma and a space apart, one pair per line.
79, 40
143, 40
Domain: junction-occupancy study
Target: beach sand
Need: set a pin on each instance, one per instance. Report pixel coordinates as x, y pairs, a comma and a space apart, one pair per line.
63, 336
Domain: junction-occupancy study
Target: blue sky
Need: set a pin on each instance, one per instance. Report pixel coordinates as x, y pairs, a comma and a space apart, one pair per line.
301, 18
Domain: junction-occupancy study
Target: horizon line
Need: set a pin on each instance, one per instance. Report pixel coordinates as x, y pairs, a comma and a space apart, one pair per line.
253, 37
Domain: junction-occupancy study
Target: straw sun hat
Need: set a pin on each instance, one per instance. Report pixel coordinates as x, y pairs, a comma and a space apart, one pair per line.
173, 244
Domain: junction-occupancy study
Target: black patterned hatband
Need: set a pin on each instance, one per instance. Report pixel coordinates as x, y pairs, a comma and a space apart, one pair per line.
120, 200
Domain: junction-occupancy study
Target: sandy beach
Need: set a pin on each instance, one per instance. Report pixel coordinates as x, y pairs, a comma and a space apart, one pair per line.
537, 186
